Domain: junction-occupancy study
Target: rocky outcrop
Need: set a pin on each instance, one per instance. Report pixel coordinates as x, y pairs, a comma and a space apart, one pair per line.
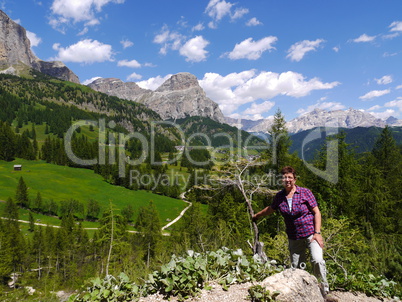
178, 97
116, 87
15, 51
58, 70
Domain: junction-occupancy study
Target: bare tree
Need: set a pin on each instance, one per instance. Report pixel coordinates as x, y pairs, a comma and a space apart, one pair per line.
237, 174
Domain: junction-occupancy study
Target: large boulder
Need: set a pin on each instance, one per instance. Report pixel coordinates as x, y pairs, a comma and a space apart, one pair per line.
294, 285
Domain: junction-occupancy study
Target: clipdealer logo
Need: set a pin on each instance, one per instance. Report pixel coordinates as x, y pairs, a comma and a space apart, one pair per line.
115, 148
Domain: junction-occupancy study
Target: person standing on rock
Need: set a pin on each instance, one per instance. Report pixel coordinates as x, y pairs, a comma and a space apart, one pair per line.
302, 217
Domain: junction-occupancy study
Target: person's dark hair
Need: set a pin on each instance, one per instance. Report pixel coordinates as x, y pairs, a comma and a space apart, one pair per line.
288, 169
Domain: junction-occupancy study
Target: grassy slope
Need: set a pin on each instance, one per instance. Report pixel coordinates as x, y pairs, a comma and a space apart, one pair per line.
62, 183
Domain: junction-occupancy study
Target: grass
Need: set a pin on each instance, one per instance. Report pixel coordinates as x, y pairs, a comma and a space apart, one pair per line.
61, 183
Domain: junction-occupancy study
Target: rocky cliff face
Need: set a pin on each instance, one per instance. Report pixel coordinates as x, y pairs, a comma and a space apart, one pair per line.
178, 97
15, 50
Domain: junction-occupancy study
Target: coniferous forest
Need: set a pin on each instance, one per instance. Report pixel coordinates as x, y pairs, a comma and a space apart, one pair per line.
360, 203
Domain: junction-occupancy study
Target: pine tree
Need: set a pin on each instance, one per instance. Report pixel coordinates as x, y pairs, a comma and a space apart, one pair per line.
6, 259
12, 244
278, 150
7, 142
21, 195
93, 209
37, 203
149, 226
31, 222
389, 160
112, 237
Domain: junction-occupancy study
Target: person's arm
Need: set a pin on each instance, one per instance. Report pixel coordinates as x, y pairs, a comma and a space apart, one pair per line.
265, 212
317, 227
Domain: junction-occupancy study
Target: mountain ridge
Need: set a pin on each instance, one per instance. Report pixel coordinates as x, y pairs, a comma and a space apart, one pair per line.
349, 118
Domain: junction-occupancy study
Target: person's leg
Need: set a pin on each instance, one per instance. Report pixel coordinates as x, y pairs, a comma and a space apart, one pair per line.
317, 260
297, 249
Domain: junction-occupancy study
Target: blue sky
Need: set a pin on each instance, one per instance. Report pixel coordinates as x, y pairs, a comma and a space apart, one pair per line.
251, 57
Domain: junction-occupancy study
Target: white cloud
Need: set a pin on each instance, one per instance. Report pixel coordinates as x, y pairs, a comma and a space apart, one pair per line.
251, 50
255, 111
330, 106
375, 107
391, 36
297, 51
364, 38
396, 26
387, 79
194, 49
388, 54
182, 22
383, 115
89, 81
395, 103
218, 9
126, 43
66, 11
239, 13
33, 38
85, 51
398, 87
198, 27
374, 94
168, 40
336, 48
236, 89
83, 32
153, 83
253, 22
134, 76
131, 64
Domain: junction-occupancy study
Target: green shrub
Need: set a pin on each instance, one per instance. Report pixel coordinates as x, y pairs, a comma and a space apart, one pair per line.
257, 293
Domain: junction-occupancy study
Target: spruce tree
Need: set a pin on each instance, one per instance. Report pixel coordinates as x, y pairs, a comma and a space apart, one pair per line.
278, 150
7, 142
21, 195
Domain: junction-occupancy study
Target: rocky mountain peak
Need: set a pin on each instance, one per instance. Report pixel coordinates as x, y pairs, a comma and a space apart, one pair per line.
15, 51
178, 97
180, 81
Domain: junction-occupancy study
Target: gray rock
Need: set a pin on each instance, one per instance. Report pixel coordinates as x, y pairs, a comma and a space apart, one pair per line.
178, 97
116, 87
294, 285
15, 51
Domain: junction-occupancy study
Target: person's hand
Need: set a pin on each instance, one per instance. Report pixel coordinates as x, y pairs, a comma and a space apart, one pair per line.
319, 239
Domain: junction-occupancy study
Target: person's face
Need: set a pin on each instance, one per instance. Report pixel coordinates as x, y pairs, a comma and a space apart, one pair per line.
288, 180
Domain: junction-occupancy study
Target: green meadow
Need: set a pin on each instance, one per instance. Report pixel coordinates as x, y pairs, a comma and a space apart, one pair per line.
60, 183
